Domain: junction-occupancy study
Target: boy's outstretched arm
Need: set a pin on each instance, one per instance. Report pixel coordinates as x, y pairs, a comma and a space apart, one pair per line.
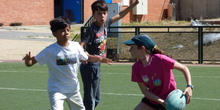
29, 60
94, 58
107, 61
122, 13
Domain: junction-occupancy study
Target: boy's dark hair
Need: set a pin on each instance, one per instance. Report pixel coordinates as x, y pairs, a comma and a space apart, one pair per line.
99, 5
59, 23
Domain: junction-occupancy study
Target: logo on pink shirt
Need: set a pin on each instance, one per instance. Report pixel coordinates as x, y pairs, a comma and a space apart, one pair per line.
145, 78
157, 82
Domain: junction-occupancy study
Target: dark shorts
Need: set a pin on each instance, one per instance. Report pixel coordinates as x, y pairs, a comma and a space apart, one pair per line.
155, 106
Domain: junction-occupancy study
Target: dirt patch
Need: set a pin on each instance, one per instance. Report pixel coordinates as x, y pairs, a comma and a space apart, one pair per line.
181, 46
16, 49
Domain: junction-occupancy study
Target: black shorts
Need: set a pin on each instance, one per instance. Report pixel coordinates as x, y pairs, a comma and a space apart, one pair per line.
155, 106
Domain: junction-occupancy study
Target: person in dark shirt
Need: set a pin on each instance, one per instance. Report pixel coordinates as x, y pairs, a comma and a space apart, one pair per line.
94, 42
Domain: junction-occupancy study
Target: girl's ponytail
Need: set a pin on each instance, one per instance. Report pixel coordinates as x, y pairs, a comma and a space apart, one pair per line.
156, 50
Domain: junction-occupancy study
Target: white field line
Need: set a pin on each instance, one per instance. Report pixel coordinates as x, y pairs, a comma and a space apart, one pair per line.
199, 76
117, 94
106, 73
18, 89
2, 71
174, 75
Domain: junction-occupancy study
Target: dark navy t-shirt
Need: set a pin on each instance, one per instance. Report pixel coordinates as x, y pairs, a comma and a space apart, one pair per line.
96, 37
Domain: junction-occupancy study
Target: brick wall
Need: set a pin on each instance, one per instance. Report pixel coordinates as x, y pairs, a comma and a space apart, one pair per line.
87, 9
40, 12
27, 12
157, 10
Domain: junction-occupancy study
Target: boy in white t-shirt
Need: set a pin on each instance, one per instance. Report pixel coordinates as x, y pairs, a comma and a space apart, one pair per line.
62, 59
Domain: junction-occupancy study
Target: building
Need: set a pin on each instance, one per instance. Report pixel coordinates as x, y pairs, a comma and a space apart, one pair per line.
40, 12
27, 12
147, 10
197, 9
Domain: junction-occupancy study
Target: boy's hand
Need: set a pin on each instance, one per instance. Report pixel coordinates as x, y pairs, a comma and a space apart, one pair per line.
27, 57
107, 60
29, 60
94, 58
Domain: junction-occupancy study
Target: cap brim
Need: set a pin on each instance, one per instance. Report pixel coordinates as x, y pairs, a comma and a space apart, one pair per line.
129, 42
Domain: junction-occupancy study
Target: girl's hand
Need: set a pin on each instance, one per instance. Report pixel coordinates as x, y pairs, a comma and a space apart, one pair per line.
162, 102
188, 92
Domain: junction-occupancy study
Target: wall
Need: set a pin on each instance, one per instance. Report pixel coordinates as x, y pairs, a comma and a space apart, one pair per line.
157, 10
27, 12
197, 9
40, 12
87, 9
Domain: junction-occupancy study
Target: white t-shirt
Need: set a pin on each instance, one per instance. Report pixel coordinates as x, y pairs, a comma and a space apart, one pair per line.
62, 63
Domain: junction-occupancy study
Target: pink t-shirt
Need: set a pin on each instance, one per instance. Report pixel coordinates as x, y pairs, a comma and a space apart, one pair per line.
157, 75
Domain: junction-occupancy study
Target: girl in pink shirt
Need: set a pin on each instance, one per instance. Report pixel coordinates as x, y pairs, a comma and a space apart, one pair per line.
153, 73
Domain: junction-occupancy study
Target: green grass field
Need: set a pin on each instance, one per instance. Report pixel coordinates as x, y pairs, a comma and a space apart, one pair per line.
23, 88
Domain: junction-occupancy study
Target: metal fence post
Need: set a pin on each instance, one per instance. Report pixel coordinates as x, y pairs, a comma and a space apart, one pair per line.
200, 45
137, 30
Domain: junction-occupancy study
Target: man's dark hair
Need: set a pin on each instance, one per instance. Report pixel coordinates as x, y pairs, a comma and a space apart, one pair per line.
99, 5
59, 23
